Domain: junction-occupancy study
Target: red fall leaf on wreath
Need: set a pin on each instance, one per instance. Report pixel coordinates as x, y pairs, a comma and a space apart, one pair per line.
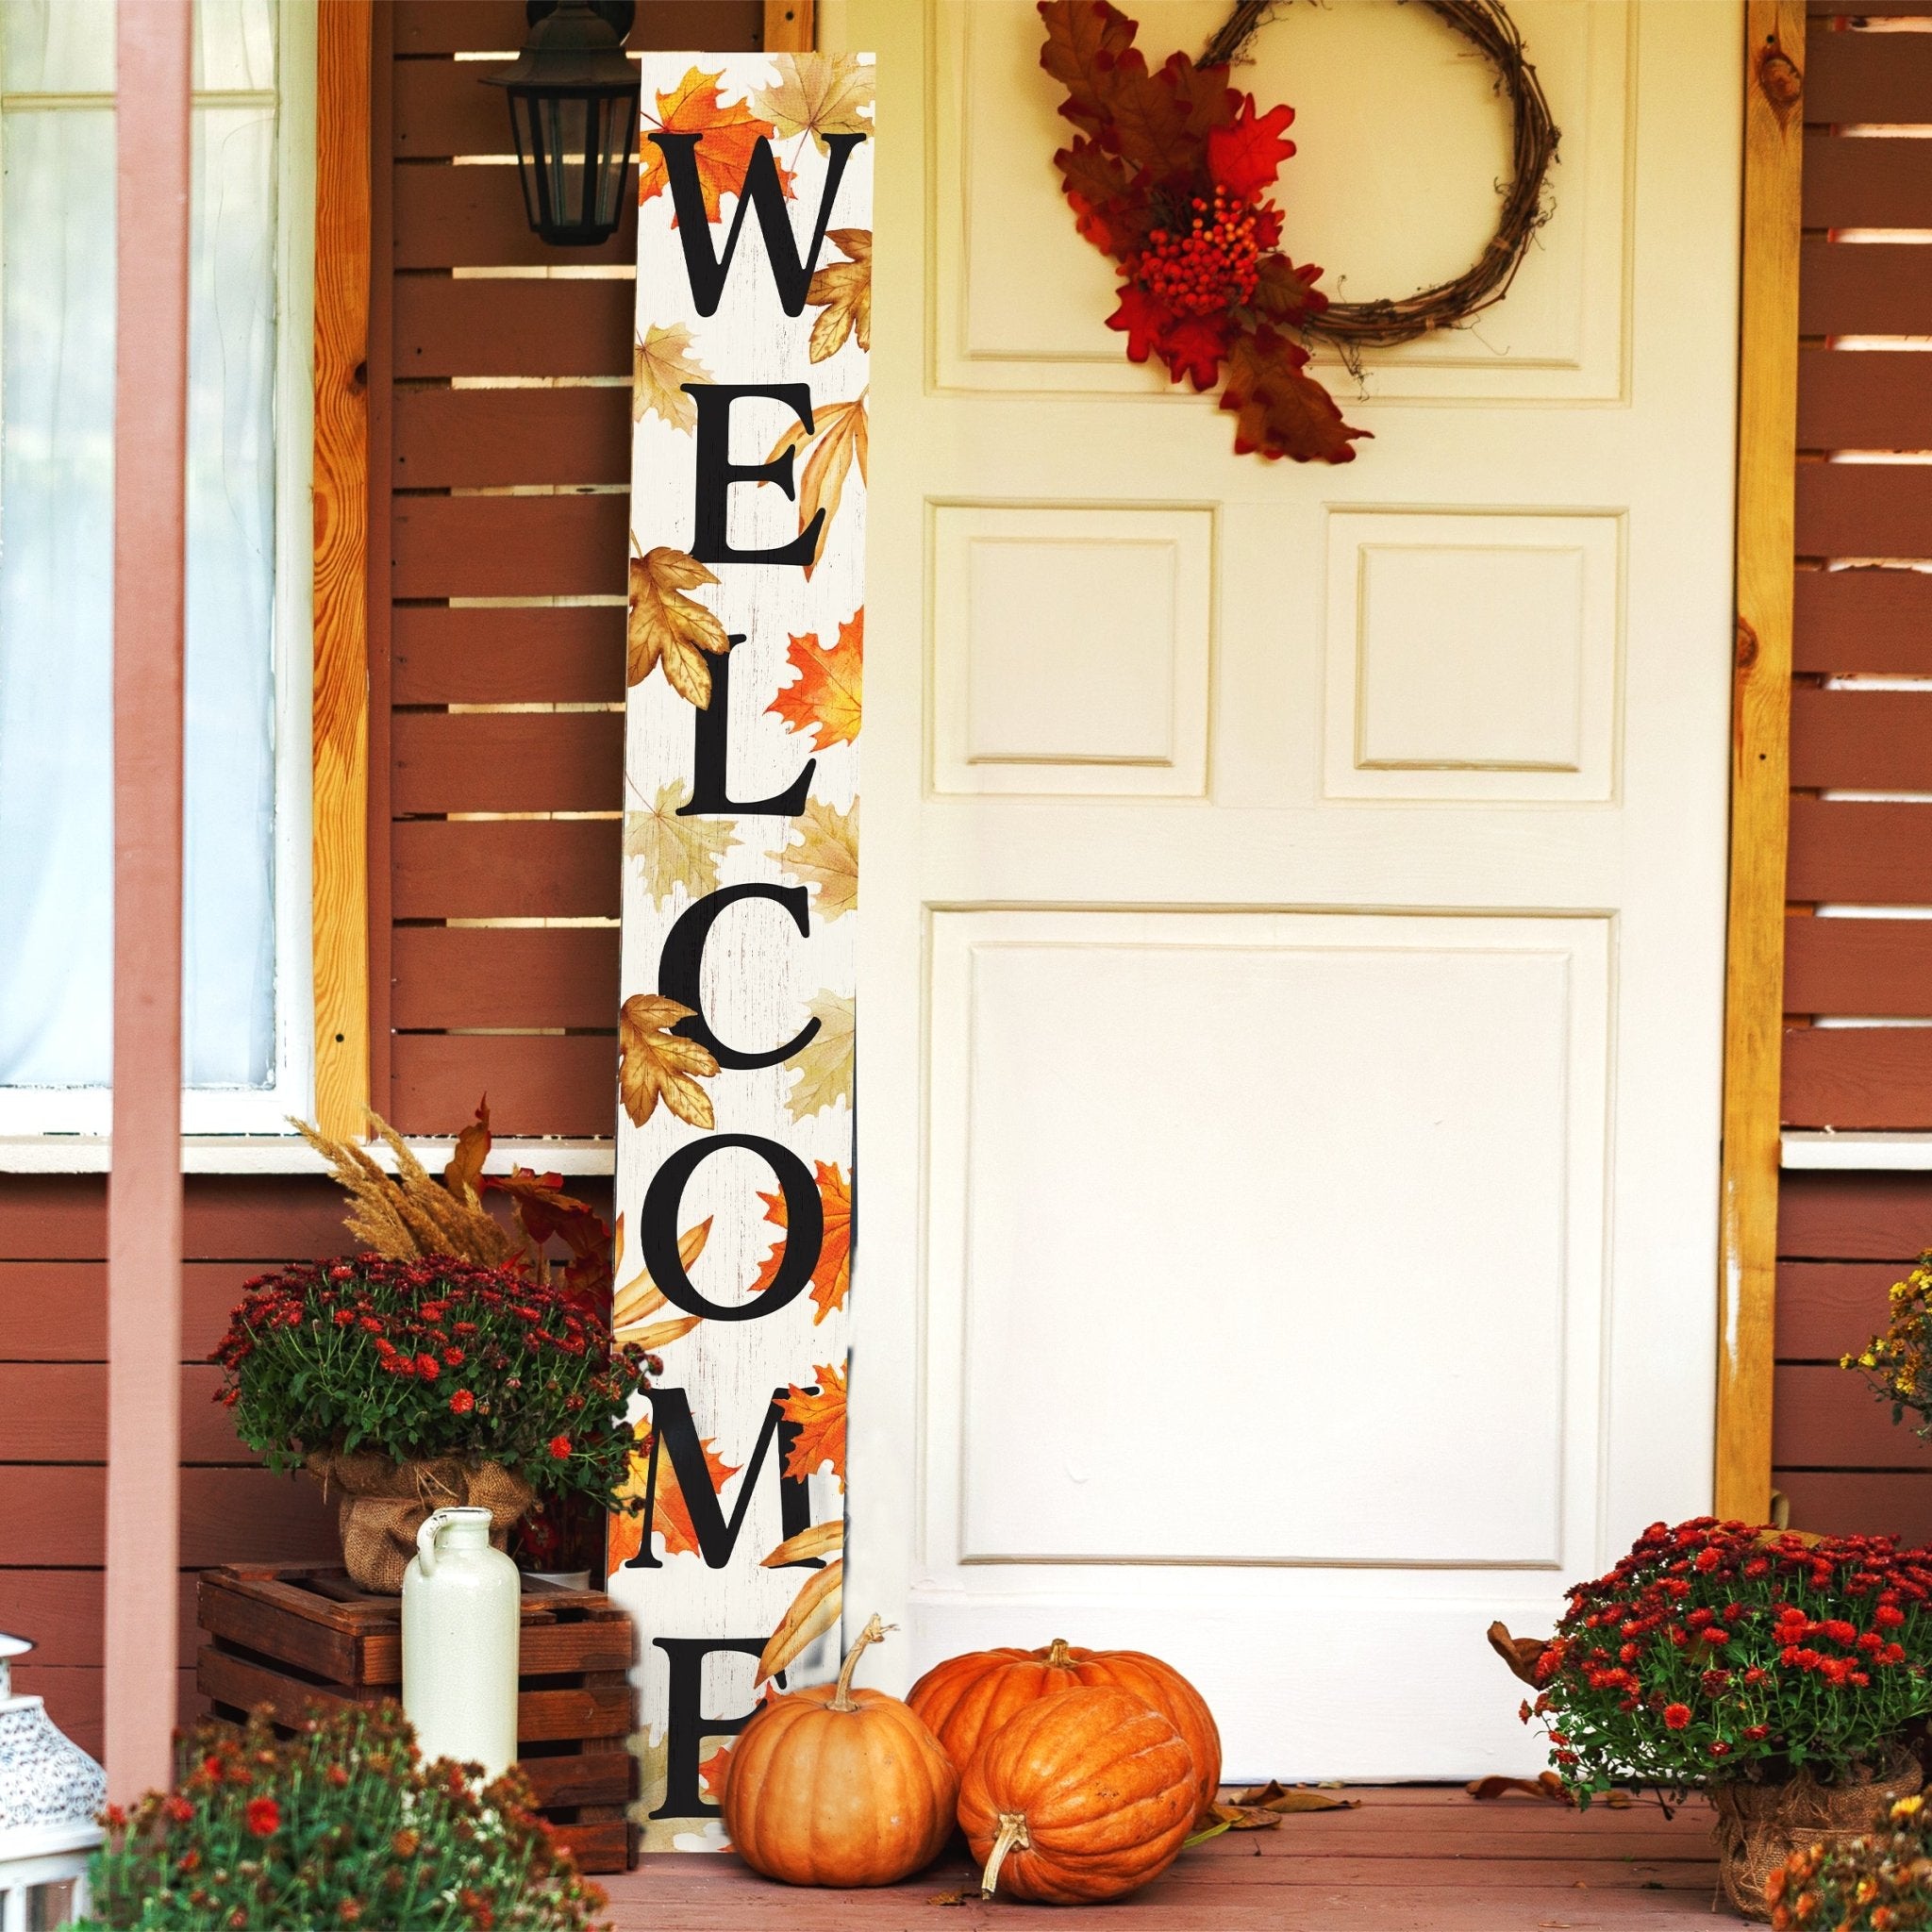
1169, 179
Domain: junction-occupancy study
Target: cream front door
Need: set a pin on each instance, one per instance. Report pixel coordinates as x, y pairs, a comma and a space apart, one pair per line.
1290, 972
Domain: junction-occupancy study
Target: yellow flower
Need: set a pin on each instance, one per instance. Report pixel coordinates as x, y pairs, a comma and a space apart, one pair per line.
1909, 1808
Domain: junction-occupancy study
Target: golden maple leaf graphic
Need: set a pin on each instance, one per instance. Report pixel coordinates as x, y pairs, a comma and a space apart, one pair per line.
658, 1064
669, 1512
839, 438
824, 1062
819, 94
730, 133
660, 368
825, 855
712, 1772
832, 1276
664, 625
843, 290
813, 1612
676, 851
821, 1417
825, 697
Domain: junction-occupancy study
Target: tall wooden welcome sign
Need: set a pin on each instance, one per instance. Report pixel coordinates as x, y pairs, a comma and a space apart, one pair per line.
741, 888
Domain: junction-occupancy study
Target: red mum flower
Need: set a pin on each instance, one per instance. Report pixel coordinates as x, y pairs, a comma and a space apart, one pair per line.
264, 1816
1676, 1716
428, 1367
462, 1402
559, 1446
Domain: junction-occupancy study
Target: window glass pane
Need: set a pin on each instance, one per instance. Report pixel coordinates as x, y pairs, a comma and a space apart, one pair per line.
234, 44
58, 46
57, 360
56, 379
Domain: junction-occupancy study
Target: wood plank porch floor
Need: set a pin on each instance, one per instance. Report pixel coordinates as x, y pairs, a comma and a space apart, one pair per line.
1412, 1858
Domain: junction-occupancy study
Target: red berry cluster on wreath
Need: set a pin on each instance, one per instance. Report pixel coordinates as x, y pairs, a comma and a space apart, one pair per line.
1717, 1649
1213, 265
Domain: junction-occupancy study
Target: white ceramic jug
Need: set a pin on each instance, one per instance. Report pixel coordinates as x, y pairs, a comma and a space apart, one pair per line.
462, 1615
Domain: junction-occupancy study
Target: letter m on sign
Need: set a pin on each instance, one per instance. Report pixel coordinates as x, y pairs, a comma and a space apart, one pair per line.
744, 648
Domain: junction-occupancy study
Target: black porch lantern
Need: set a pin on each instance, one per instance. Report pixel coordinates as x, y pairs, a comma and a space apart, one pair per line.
574, 111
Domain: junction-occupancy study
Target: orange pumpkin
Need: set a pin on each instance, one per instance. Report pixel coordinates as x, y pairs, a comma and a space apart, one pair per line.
1081, 1796
833, 1786
964, 1700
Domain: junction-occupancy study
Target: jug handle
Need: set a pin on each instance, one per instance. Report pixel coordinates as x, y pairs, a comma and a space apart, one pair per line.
425, 1541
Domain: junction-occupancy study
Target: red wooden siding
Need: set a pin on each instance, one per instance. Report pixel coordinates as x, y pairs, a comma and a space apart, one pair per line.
509, 809
1861, 774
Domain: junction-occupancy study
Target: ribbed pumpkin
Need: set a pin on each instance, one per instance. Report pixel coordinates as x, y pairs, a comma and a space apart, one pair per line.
1078, 1797
833, 1786
964, 1700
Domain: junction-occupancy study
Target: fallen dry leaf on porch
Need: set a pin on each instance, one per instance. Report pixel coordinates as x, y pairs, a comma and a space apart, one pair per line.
824, 1062
1546, 1785
730, 135
820, 1414
676, 851
954, 1898
666, 626
824, 699
641, 1296
843, 290
658, 1064
1281, 1799
838, 439
813, 1612
1519, 1653
818, 94
1236, 1818
825, 855
658, 371
833, 1275
820, 1540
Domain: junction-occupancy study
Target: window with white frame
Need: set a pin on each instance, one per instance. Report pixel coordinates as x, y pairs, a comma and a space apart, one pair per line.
246, 993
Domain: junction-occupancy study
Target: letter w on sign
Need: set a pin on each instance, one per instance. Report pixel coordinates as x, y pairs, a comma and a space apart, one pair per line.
747, 638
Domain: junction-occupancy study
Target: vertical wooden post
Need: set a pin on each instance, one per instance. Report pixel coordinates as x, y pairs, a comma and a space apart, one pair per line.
341, 844
152, 40
1760, 745
788, 26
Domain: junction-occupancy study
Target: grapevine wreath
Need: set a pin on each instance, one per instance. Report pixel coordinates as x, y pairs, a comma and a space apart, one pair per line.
1170, 176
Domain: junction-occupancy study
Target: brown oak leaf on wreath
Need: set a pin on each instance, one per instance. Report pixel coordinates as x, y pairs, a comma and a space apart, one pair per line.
1170, 176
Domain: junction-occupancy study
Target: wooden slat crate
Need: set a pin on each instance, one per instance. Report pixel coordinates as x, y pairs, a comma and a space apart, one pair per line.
288, 1636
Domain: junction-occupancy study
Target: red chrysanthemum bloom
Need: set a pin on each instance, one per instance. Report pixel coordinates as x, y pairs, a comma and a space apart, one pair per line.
559, 1446
177, 1807
264, 1816
1676, 1716
462, 1402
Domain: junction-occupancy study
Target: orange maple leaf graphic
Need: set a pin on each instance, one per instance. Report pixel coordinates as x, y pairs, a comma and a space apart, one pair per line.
730, 133
712, 1772
821, 1419
824, 699
833, 1275
669, 1512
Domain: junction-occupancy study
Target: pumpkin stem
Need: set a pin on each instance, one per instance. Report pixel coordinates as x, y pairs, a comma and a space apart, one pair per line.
842, 1698
1058, 1655
1013, 1837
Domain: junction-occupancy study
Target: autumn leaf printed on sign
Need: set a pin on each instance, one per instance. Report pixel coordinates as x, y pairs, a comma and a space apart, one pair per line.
669, 1512
825, 698
820, 1414
658, 1064
660, 368
819, 94
813, 1612
712, 1772
666, 626
825, 854
824, 1062
843, 290
731, 133
832, 1276
676, 851
838, 440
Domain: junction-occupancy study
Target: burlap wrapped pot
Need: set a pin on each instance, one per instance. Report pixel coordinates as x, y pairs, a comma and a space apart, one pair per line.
1759, 1825
382, 1504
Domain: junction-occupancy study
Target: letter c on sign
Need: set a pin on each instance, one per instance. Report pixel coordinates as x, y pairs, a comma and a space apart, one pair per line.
805, 1228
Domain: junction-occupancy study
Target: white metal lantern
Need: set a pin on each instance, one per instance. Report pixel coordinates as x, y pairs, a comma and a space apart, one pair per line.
50, 1791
